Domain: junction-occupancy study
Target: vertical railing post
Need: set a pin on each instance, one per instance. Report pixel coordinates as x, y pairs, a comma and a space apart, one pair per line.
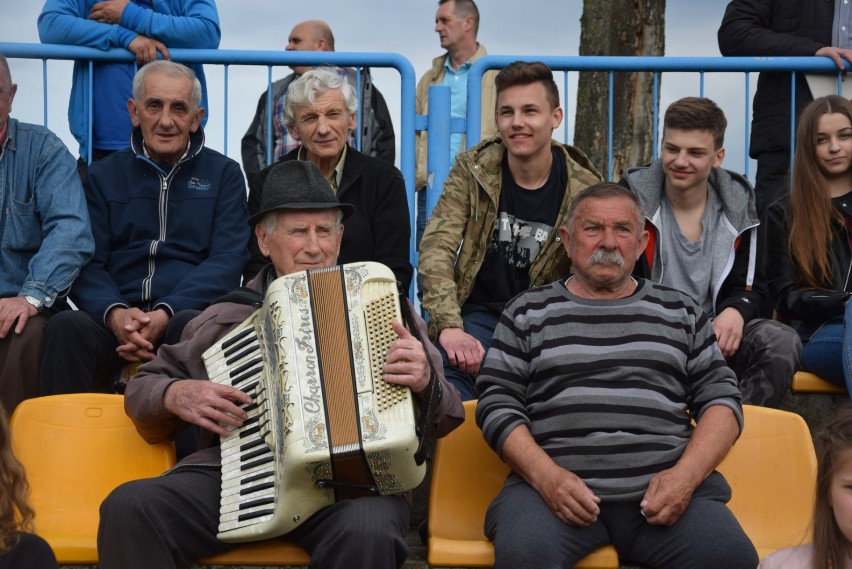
438, 148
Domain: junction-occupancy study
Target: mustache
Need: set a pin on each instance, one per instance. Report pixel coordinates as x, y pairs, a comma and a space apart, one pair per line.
604, 257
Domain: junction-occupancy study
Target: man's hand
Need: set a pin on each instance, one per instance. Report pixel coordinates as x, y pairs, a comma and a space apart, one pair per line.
108, 12
667, 497
728, 326
15, 308
146, 49
406, 361
569, 497
463, 350
206, 404
839, 55
137, 331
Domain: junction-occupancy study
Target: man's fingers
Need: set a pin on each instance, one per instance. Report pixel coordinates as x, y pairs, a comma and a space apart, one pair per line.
22, 322
401, 330
6, 325
140, 341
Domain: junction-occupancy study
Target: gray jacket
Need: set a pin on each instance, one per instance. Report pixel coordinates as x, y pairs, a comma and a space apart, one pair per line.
737, 275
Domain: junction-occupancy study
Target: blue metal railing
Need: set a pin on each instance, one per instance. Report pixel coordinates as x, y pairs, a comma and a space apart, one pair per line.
227, 58
654, 65
439, 160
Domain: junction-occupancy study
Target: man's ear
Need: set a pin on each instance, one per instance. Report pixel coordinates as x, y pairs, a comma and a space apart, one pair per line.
134, 112
196, 122
468, 23
720, 156
556, 116
643, 243
565, 236
294, 133
260, 233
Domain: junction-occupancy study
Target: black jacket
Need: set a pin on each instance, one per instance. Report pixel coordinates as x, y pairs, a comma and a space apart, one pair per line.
775, 28
378, 230
809, 308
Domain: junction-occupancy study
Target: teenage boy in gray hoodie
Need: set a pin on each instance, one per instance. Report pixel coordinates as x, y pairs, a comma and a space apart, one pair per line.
705, 241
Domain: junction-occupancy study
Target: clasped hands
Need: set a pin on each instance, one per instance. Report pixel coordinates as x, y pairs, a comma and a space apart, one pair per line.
137, 332
665, 500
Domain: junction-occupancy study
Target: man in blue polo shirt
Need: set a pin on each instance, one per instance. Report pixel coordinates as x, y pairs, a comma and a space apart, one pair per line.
456, 23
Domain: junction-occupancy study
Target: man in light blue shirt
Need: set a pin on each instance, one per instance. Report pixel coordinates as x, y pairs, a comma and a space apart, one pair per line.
456, 80
456, 23
46, 238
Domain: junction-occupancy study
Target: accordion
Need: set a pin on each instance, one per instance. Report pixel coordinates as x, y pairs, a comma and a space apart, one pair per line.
323, 426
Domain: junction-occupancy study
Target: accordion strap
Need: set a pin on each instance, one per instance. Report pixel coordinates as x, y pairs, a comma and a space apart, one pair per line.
431, 395
242, 295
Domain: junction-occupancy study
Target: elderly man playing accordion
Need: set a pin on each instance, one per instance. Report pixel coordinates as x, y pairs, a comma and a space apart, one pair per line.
172, 520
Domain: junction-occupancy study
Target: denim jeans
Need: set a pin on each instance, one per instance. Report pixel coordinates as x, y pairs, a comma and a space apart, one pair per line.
827, 352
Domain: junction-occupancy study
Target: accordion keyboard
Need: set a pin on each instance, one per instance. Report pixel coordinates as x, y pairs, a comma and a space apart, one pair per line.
248, 485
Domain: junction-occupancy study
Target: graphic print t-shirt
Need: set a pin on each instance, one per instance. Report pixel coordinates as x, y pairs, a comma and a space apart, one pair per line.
525, 219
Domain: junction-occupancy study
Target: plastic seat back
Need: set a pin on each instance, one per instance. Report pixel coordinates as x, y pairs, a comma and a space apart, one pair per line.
76, 449
466, 476
772, 473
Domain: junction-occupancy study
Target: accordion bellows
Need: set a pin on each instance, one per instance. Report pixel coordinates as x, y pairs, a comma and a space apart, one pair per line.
324, 425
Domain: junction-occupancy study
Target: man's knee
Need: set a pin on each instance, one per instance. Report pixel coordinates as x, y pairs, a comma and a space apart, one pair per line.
770, 355
68, 324
129, 499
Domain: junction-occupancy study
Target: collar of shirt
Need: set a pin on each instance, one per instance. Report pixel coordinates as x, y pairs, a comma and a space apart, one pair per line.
3, 133
148, 156
336, 175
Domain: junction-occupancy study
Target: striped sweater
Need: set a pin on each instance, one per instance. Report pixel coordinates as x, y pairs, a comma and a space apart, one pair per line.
607, 387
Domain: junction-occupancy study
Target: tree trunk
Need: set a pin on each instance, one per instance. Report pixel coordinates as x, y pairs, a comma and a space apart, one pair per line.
619, 27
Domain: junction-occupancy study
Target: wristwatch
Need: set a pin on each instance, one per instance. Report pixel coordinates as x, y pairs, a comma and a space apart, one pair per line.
39, 305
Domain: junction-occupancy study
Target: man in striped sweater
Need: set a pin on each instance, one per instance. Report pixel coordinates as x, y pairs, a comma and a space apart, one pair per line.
588, 392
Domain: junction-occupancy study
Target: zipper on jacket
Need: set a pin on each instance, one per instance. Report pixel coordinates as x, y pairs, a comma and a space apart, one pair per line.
147, 282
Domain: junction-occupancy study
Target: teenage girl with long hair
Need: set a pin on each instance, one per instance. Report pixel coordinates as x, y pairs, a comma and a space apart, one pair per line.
832, 521
18, 547
809, 236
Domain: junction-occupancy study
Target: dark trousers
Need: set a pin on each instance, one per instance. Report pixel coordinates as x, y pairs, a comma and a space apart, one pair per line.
77, 349
479, 321
19, 362
768, 357
526, 533
170, 521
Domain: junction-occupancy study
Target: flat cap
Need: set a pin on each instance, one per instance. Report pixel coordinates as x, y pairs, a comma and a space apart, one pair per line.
297, 184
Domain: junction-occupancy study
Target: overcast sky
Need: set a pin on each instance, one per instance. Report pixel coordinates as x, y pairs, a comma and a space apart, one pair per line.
507, 27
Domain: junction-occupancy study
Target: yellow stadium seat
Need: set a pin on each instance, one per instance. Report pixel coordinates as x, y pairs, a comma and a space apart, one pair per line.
772, 473
277, 551
466, 475
76, 449
804, 382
